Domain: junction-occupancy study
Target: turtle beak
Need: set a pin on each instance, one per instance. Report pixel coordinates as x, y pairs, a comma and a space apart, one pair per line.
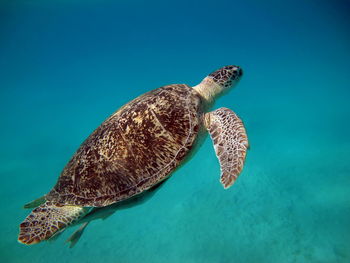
239, 71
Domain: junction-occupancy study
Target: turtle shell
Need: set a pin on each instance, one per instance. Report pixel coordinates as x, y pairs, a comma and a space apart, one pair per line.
134, 149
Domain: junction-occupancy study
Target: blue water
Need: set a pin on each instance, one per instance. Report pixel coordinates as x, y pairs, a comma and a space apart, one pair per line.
67, 65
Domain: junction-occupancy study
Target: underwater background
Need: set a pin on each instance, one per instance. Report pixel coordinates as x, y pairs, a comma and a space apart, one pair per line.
65, 66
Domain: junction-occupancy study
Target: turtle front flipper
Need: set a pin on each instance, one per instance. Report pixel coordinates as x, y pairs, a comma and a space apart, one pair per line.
230, 142
47, 220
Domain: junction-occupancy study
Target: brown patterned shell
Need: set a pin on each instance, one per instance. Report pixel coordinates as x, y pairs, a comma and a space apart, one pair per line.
134, 149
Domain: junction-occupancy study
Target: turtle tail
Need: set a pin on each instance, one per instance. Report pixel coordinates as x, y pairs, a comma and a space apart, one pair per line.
48, 220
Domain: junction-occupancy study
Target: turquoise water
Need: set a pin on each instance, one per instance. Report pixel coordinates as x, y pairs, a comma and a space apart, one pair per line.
65, 67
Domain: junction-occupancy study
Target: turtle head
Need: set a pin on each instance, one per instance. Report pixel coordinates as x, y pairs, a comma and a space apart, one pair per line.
226, 77
219, 82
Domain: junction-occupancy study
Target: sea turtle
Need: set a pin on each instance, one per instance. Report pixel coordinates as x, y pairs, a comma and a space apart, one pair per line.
137, 148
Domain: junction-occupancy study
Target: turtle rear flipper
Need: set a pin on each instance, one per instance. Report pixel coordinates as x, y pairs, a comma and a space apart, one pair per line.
47, 220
